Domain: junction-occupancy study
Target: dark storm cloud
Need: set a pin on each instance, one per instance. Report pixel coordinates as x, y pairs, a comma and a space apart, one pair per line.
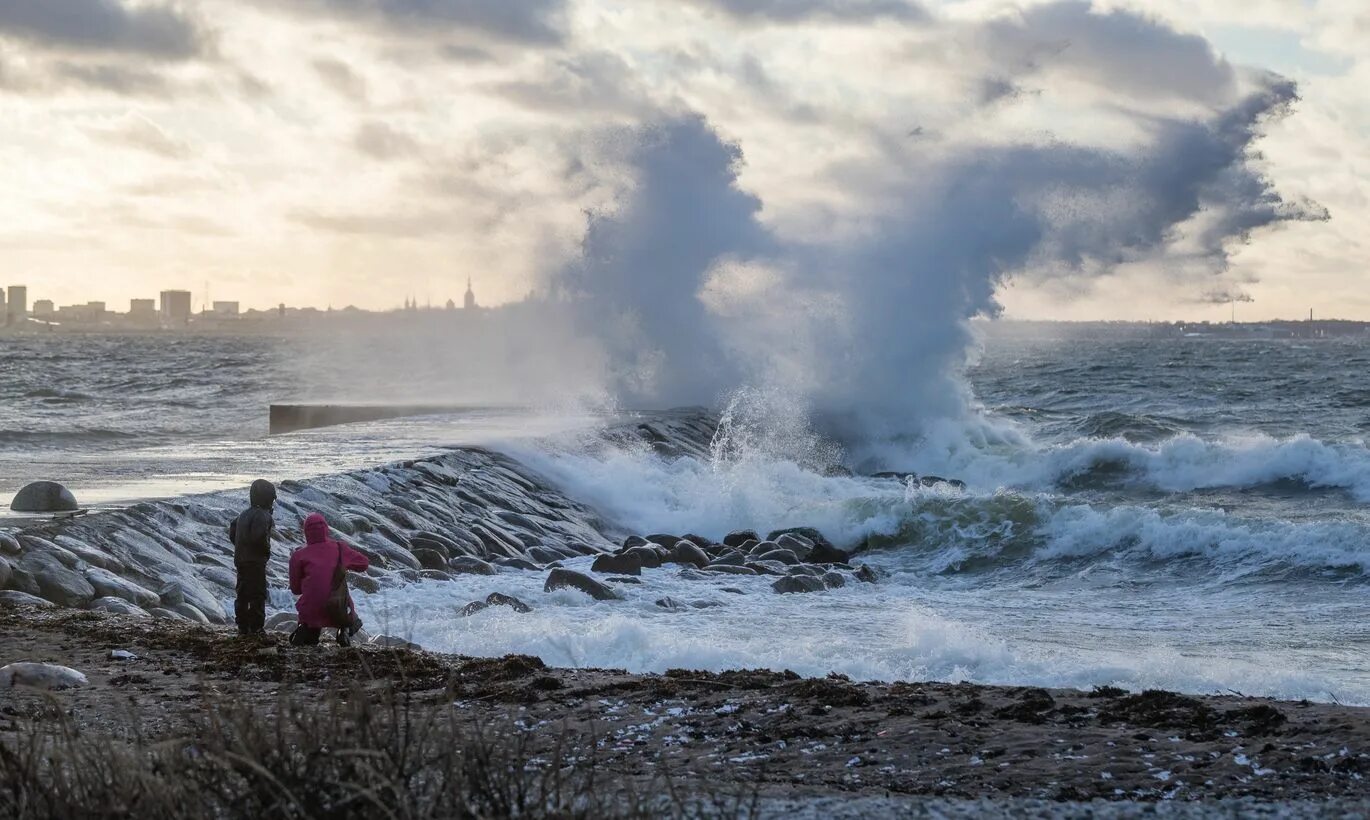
163, 30
791, 11
526, 21
1125, 52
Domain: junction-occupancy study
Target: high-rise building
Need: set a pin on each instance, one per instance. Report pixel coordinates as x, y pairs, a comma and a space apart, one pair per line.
18, 305
142, 310
44, 308
176, 307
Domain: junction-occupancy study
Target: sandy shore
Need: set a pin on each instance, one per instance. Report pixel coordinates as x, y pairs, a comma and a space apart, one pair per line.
810, 747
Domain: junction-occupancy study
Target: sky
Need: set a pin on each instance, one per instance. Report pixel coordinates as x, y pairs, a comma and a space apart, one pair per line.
336, 152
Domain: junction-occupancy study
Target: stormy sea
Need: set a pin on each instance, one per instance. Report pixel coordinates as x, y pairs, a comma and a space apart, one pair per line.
1178, 513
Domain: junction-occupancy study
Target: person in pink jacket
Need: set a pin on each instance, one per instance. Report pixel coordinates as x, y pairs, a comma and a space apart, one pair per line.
311, 577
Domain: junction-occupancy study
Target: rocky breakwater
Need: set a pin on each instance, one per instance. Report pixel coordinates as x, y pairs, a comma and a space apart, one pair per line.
470, 510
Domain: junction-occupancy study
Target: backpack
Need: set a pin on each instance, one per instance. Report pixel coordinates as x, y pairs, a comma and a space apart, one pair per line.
338, 606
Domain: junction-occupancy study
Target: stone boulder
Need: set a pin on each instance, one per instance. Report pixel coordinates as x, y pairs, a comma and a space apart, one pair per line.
109, 585
814, 536
866, 575
9, 545
634, 541
47, 676
494, 599
670, 603
617, 565
118, 606
685, 552
739, 537
798, 583
44, 497
466, 565
827, 554
797, 544
13, 597
57, 583
6, 573
833, 580
728, 569
429, 558
565, 578
662, 539
364, 583
779, 556
646, 556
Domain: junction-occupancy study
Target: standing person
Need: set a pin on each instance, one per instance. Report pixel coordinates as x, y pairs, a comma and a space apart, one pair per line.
315, 571
250, 533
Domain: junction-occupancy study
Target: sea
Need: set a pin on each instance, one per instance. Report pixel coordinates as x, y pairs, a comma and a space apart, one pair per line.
1182, 513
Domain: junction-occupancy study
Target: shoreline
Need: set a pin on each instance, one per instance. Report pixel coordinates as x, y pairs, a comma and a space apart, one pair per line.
788, 741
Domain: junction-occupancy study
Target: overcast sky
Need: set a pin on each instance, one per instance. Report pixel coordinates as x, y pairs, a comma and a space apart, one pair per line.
358, 151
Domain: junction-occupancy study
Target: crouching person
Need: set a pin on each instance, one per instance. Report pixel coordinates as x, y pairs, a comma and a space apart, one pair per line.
318, 574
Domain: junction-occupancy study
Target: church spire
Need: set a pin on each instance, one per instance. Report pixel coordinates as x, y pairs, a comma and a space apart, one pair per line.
470, 303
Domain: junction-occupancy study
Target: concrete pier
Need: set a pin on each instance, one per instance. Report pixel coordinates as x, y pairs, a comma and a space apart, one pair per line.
288, 418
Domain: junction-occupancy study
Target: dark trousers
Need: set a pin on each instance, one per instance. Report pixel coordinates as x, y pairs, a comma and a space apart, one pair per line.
249, 610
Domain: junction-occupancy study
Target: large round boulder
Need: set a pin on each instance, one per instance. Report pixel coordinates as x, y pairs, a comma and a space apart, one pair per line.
44, 497
565, 578
618, 564
685, 552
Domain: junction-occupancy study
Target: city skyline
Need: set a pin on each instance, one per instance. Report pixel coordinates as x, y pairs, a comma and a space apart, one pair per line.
343, 153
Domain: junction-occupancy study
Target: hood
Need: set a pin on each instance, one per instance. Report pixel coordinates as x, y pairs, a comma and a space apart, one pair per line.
315, 528
262, 494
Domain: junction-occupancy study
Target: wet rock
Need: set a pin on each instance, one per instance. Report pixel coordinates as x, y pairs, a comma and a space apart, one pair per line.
662, 539
866, 575
91, 555
466, 565
108, 585
891, 475
634, 541
163, 614
732, 557
670, 603
761, 548
565, 578
698, 540
47, 676
732, 590
221, 577
814, 536
13, 597
6, 572
435, 575
827, 554
9, 545
193, 592
768, 567
410, 576
494, 599
728, 569
795, 543
705, 604
934, 480
617, 565
544, 555
798, 583
806, 569
685, 552
833, 580
517, 563
43, 497
646, 556
57, 583
364, 583
739, 538
429, 558
692, 574
622, 579
190, 612
779, 556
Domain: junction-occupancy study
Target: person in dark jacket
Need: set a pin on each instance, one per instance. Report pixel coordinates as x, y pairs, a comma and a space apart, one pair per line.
250, 533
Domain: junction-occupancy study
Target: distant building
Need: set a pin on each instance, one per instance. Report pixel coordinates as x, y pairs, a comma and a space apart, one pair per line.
176, 307
2, 306
142, 310
97, 310
451, 305
225, 308
43, 309
470, 301
17, 309
80, 314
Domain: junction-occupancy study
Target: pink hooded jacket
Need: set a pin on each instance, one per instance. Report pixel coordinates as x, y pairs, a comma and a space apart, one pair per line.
311, 571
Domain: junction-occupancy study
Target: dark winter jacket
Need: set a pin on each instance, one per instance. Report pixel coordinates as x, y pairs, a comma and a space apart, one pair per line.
250, 532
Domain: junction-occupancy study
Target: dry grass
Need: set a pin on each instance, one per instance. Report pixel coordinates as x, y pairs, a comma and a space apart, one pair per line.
365, 752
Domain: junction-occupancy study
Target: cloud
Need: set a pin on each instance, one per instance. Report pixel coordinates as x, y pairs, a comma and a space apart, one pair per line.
1124, 52
414, 225
380, 141
791, 11
142, 134
524, 21
112, 78
163, 31
338, 76
596, 81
